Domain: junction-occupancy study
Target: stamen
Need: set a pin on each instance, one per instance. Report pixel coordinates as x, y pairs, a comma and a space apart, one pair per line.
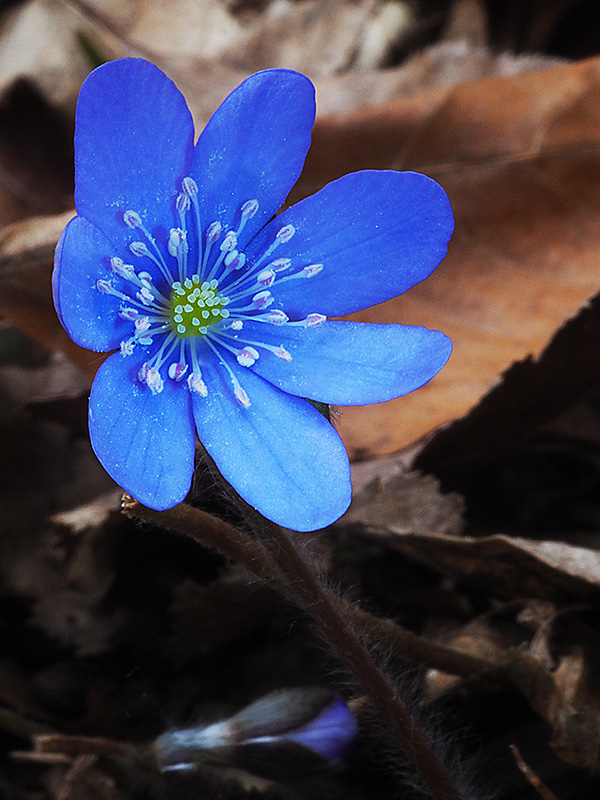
197, 385
189, 187
306, 272
132, 219
247, 357
151, 377
266, 277
275, 317
282, 236
262, 300
177, 370
310, 322
182, 204
139, 249
279, 264
240, 394
248, 210
129, 314
213, 235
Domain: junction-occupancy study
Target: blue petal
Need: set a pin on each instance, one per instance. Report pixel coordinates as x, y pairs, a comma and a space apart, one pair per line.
89, 317
350, 363
377, 233
254, 147
280, 454
145, 442
133, 145
331, 734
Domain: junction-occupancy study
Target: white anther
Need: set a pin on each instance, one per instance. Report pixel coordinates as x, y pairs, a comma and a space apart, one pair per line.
139, 249
229, 242
145, 296
281, 352
279, 264
132, 218
189, 187
177, 370
311, 270
237, 325
143, 372
103, 286
129, 314
142, 324
237, 262
314, 319
122, 270
145, 277
153, 380
196, 384
262, 299
145, 340
176, 240
213, 232
248, 356
285, 234
127, 347
230, 256
182, 203
249, 208
276, 317
266, 277
241, 396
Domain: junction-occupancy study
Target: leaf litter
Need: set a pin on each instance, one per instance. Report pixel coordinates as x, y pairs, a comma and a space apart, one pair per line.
479, 533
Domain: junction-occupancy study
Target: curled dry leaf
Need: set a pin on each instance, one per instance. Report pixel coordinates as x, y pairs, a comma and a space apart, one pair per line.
506, 567
387, 495
520, 159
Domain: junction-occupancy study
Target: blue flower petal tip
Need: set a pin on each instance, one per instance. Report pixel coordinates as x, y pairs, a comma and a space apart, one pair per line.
218, 316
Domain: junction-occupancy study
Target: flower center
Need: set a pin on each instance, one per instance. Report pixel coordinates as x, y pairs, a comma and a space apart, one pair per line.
195, 305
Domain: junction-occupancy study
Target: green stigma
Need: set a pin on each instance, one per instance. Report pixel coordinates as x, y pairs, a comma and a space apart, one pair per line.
195, 305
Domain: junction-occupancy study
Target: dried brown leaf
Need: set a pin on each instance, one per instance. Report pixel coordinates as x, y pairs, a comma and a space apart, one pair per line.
506, 567
520, 159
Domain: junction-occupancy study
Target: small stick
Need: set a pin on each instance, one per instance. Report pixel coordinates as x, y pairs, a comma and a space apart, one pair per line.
533, 779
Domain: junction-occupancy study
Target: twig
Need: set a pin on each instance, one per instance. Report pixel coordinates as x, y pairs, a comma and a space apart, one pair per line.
533, 779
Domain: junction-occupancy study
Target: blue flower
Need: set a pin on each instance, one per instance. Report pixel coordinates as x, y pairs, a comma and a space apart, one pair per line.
217, 308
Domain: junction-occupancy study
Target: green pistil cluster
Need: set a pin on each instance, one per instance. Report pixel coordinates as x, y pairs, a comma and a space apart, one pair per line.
195, 305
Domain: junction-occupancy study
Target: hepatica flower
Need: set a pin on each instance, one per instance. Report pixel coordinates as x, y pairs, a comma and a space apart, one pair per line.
218, 309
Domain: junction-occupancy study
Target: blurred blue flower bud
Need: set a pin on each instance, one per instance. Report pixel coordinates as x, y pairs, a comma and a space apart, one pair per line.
286, 735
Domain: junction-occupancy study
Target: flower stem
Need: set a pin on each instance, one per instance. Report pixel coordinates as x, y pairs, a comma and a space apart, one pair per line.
242, 548
328, 613
274, 557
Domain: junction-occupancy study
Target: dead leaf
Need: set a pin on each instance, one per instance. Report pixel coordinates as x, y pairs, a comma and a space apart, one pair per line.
386, 494
532, 393
507, 567
520, 159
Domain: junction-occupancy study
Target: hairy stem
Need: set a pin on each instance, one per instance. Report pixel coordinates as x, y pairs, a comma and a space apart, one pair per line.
274, 557
251, 553
329, 615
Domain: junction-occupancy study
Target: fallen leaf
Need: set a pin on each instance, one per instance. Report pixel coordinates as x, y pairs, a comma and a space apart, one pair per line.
510, 568
520, 159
